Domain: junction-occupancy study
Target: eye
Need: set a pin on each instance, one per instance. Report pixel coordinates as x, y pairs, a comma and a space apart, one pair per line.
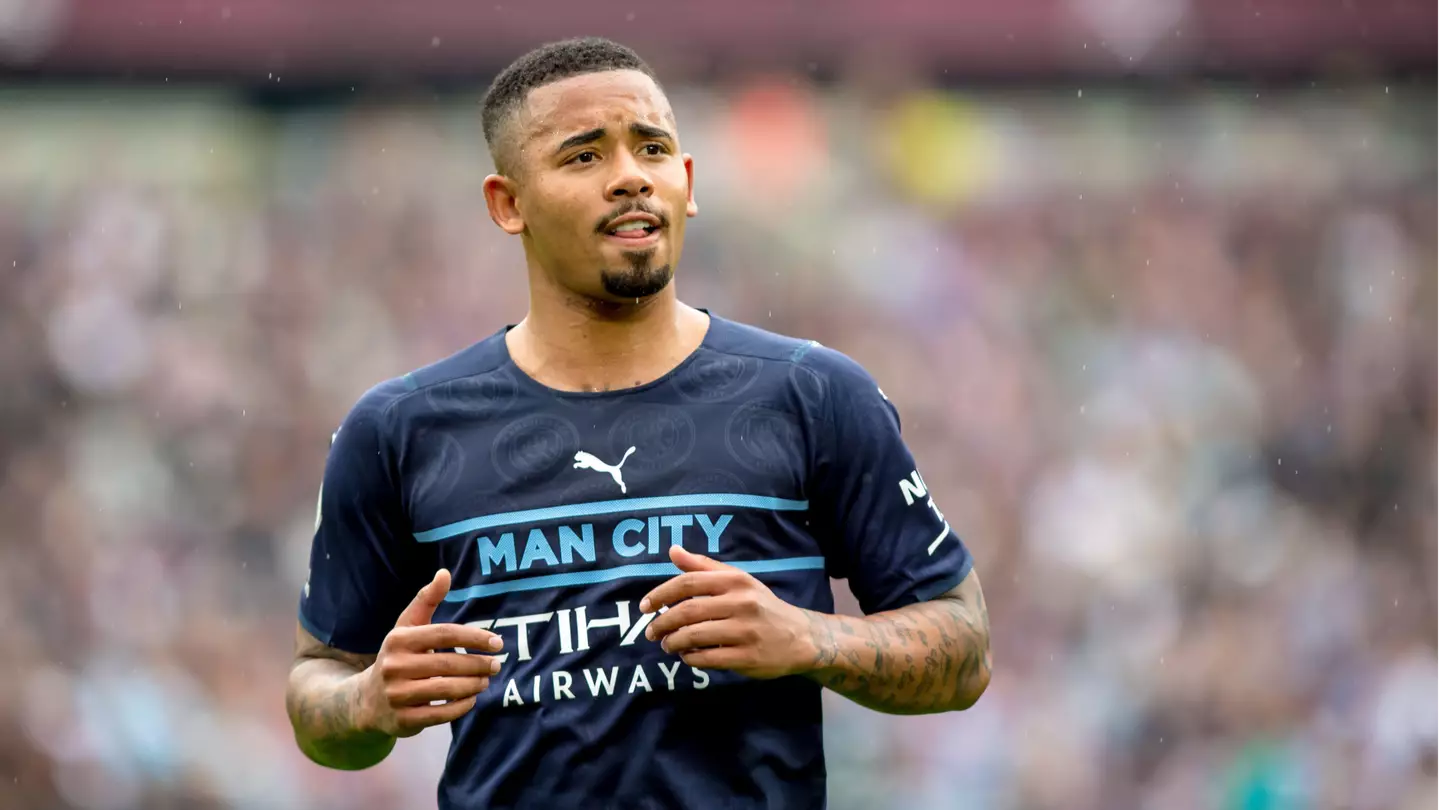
655, 149
588, 156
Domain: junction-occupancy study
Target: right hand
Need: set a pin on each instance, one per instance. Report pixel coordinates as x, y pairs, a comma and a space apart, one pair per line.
409, 673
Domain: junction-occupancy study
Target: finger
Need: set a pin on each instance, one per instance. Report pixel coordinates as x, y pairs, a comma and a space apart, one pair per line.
690, 561
724, 633
429, 690
684, 586
445, 637
412, 719
441, 665
422, 608
690, 612
732, 658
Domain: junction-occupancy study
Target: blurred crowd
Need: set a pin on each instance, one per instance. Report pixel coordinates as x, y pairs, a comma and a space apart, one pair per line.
1168, 365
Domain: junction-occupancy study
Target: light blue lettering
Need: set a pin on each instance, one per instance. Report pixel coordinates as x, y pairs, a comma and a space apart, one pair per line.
677, 524
624, 527
571, 543
537, 548
713, 531
492, 553
653, 523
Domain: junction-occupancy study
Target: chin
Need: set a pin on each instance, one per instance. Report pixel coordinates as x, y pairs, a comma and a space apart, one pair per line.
637, 282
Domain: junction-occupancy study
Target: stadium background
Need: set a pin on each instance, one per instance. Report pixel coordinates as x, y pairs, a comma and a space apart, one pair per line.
1152, 283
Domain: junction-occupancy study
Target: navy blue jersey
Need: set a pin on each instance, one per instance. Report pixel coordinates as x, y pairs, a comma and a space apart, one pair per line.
554, 512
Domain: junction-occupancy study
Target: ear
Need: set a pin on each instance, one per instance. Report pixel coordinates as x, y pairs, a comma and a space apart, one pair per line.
501, 200
690, 207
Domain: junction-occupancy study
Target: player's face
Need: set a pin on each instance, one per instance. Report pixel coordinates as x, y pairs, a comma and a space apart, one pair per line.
603, 190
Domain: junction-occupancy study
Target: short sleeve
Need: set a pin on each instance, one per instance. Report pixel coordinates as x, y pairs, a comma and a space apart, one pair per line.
886, 535
362, 566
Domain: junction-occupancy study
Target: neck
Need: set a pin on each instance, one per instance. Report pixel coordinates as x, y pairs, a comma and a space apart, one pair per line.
572, 343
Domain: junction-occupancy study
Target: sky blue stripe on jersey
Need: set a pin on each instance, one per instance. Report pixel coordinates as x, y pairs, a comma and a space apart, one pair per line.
635, 571
575, 510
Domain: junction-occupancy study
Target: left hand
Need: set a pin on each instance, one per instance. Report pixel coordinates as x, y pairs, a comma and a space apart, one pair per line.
740, 625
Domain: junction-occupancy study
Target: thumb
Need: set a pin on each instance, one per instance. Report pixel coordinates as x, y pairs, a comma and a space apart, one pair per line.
690, 561
422, 607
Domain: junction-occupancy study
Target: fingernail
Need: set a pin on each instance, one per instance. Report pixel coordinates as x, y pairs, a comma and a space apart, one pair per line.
645, 605
496, 643
494, 665
650, 633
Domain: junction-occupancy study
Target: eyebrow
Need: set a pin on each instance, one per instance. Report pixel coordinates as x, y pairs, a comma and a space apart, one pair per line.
591, 136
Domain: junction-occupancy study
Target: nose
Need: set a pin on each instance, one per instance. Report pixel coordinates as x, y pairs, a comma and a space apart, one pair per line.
629, 181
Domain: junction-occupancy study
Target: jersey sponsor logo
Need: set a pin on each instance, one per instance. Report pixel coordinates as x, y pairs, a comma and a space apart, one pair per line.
578, 629
913, 488
588, 461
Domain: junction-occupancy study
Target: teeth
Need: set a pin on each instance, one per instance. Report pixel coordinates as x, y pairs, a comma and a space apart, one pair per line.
631, 226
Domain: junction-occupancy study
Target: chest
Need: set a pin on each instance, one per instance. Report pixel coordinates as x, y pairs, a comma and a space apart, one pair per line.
581, 491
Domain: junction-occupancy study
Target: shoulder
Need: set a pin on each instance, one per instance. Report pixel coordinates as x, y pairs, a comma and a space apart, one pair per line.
823, 373
382, 407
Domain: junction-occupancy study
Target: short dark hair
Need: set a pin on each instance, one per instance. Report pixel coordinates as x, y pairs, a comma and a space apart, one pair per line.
544, 65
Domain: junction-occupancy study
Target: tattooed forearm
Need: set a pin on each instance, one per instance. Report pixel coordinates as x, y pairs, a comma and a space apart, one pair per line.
323, 700
929, 657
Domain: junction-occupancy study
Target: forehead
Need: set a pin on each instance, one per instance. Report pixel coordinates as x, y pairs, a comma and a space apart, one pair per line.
592, 101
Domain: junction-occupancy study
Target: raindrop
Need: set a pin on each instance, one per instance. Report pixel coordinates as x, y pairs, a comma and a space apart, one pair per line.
1079, 93
242, 412
630, 17
1277, 461
435, 42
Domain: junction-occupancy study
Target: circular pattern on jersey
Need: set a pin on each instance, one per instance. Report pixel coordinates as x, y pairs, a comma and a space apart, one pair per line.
708, 481
812, 388
534, 447
715, 377
663, 437
474, 397
765, 438
437, 479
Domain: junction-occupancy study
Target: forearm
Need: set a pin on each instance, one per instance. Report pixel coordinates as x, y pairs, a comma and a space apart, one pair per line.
323, 700
929, 657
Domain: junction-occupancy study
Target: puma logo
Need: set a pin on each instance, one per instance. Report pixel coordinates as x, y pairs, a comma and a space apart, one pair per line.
587, 461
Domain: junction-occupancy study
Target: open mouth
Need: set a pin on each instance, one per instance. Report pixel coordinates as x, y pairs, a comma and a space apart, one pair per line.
633, 230
634, 227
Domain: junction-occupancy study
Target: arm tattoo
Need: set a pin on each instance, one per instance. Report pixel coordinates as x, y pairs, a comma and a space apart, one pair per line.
928, 657
323, 701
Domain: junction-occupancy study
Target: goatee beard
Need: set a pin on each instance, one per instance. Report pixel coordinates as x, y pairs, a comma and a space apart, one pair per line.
641, 280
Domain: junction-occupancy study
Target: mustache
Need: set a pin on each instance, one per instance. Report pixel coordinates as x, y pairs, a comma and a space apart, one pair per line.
635, 207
